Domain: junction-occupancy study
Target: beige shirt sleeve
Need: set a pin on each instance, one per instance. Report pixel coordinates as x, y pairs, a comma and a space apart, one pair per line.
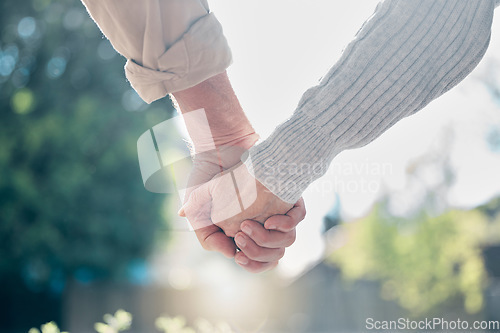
170, 45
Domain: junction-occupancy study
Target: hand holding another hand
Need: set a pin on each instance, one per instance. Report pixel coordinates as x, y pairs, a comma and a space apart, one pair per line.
221, 133
262, 245
234, 209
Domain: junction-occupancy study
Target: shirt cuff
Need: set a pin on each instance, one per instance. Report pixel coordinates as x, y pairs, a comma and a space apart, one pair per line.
201, 53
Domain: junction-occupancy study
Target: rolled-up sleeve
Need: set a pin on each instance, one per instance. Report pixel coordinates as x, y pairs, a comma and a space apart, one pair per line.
170, 45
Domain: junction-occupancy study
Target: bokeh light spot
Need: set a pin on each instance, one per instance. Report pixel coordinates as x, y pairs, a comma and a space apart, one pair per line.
23, 101
138, 272
7, 64
56, 67
8, 59
26, 27
12, 50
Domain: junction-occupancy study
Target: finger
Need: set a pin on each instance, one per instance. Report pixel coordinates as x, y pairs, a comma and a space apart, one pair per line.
253, 266
212, 238
199, 197
267, 238
290, 220
198, 208
255, 252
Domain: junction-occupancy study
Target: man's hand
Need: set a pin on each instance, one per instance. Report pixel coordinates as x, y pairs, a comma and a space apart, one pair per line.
218, 202
263, 245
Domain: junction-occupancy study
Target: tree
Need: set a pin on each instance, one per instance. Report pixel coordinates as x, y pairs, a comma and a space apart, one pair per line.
72, 202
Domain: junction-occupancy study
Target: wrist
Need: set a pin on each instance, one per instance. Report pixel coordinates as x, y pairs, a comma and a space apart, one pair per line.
225, 156
213, 115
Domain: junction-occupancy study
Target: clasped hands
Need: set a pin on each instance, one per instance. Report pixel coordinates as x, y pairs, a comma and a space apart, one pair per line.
234, 214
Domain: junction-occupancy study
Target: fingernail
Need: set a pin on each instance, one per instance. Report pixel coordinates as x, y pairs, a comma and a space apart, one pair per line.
246, 229
242, 260
271, 227
240, 240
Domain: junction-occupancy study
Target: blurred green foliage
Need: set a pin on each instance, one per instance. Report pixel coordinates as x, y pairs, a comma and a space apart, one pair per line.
72, 202
426, 255
422, 262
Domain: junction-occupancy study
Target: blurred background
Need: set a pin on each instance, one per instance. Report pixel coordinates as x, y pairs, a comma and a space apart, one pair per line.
408, 226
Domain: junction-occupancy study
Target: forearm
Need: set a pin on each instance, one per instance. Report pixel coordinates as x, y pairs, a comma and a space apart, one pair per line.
406, 55
219, 129
227, 121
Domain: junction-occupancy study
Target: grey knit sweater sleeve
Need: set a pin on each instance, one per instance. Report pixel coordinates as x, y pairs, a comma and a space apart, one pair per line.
406, 55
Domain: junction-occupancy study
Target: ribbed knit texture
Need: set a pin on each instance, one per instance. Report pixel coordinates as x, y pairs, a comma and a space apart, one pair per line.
406, 55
